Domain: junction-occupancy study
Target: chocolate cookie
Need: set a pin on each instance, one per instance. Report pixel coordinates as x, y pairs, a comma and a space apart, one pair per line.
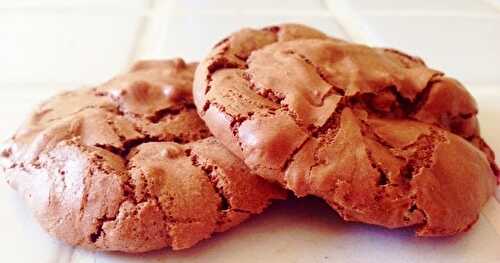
381, 137
129, 166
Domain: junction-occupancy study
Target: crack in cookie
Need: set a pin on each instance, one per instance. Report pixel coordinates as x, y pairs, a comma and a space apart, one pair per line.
107, 168
369, 130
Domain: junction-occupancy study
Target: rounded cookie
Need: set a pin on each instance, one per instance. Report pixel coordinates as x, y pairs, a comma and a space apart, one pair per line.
129, 166
381, 137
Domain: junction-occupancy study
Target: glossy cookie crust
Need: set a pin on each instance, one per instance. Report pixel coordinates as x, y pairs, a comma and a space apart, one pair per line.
129, 166
377, 134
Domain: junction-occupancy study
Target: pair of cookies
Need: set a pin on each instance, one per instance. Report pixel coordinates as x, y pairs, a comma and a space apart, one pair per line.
130, 166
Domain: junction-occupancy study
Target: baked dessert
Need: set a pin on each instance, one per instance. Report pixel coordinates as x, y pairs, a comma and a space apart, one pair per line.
129, 166
374, 132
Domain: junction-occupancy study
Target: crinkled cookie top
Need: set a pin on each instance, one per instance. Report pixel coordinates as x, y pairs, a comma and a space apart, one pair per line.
376, 133
130, 166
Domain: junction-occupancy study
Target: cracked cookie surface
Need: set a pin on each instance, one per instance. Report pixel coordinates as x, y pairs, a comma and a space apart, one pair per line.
377, 134
129, 166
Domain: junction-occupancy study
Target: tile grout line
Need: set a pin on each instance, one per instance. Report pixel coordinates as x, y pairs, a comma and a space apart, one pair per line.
162, 28
133, 55
48, 9
138, 41
494, 4
336, 20
66, 255
351, 22
139, 37
491, 212
253, 12
151, 33
429, 13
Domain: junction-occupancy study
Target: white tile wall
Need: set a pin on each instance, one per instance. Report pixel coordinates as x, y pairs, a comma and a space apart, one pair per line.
466, 48
193, 36
428, 6
58, 47
489, 110
47, 46
460, 37
115, 4
261, 5
495, 3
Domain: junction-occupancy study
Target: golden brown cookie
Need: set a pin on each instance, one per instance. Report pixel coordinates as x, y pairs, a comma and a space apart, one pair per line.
381, 137
129, 166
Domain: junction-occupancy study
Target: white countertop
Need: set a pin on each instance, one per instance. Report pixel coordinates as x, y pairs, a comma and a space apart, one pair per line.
48, 46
